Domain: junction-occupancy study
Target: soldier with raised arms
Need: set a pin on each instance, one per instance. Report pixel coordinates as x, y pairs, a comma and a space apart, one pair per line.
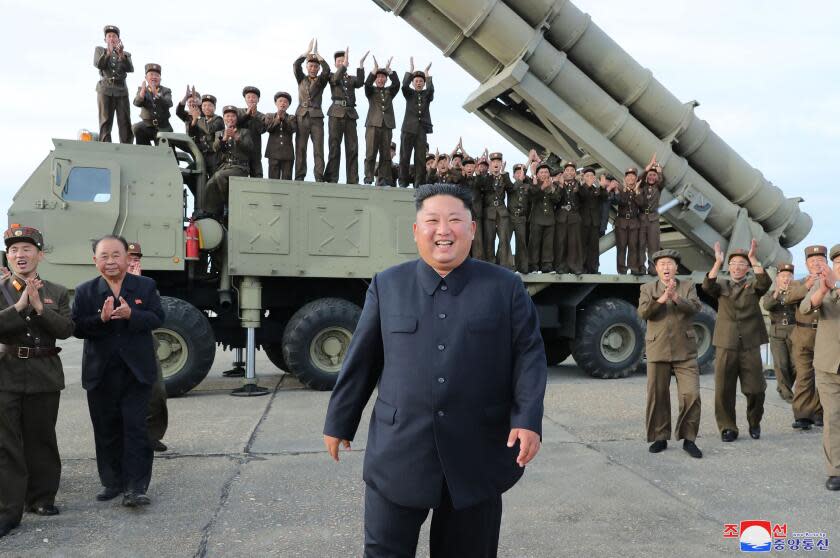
380, 124
114, 65
647, 199
202, 123
343, 116
419, 91
310, 117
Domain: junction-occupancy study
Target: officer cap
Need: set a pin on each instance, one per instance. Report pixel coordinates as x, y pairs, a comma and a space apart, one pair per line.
282, 94
134, 249
443, 156
152, 67
338, 53
740, 252
483, 161
496, 156
251, 89
518, 166
393, 145
785, 267
632, 170
835, 251
458, 155
815, 250
111, 29
468, 161
666, 253
544, 166
209, 98
229, 108
382, 71
18, 233
570, 164
419, 74
588, 169
429, 156
313, 58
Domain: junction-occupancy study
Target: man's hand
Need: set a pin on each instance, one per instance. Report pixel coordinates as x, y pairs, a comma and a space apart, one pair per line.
718, 254
308, 48
333, 445
134, 268
4, 272
529, 444
23, 301
411, 65
122, 312
362, 59
32, 286
187, 95
426, 71
388, 65
752, 253
107, 309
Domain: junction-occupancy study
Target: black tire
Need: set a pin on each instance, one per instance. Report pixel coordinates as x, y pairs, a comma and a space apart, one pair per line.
186, 346
274, 352
316, 338
557, 350
704, 329
610, 339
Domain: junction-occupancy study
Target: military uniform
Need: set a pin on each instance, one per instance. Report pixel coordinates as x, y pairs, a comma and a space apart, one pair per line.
626, 228
519, 206
256, 126
592, 200
541, 223
806, 398
379, 128
234, 156
497, 218
31, 379
203, 132
342, 123
739, 334
475, 184
417, 124
782, 321
648, 201
112, 91
568, 250
279, 149
154, 111
671, 348
310, 117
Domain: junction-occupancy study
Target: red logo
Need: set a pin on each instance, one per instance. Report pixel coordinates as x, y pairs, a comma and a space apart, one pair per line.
730, 531
780, 531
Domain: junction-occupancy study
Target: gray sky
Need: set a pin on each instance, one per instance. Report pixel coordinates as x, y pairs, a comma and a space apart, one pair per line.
764, 72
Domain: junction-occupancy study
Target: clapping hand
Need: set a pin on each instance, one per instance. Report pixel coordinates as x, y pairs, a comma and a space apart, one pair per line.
107, 309
32, 286
411, 65
121, 312
752, 253
426, 71
718, 254
362, 60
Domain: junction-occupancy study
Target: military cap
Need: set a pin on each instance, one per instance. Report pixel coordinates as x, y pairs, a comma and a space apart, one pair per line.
429, 156
111, 29
152, 67
208, 98
382, 71
632, 170
785, 267
468, 161
483, 161
229, 108
282, 94
458, 154
393, 145
419, 74
18, 233
570, 164
496, 156
740, 252
443, 156
816, 250
835, 251
338, 53
556, 171
518, 166
313, 58
251, 89
134, 249
588, 169
666, 253
544, 166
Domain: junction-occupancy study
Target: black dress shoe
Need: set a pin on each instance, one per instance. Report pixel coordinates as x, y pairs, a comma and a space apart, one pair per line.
691, 449
108, 494
159, 446
818, 421
47, 509
802, 424
755, 432
657, 446
728, 436
833, 483
134, 499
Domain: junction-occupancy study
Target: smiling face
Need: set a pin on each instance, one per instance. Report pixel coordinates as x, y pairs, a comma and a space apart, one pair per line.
24, 257
543, 175
630, 179
208, 108
230, 119
666, 269
651, 177
589, 178
815, 264
153, 79
111, 258
783, 279
443, 231
738, 267
569, 173
251, 99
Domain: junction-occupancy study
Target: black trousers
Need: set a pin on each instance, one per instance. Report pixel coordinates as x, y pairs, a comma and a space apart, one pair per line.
158, 419
30, 465
413, 143
392, 530
339, 128
280, 168
146, 134
118, 408
108, 105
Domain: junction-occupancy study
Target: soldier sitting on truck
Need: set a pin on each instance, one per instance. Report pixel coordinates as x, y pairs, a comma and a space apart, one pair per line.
154, 101
233, 145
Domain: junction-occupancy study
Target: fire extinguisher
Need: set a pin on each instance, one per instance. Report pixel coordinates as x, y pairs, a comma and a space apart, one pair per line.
191, 234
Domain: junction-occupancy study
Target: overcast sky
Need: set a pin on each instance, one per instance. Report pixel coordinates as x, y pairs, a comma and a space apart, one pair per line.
764, 72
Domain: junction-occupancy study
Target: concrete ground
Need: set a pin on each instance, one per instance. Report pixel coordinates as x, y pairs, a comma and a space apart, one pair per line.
249, 477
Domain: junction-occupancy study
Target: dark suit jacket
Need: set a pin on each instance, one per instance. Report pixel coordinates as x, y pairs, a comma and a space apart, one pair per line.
129, 340
452, 382
310, 91
343, 88
381, 102
417, 117
280, 144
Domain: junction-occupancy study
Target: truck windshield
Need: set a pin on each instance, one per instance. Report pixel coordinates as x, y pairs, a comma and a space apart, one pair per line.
88, 184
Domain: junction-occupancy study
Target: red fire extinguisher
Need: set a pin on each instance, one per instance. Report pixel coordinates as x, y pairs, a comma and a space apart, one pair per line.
191, 234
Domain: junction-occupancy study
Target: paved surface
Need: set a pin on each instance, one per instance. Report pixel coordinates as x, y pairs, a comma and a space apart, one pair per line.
249, 477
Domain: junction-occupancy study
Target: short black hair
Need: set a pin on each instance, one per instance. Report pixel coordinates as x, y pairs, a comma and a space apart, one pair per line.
428, 190
96, 242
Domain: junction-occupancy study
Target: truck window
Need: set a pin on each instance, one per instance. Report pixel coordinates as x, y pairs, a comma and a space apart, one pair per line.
88, 184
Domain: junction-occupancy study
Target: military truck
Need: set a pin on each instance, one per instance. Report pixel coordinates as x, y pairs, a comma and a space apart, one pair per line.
289, 269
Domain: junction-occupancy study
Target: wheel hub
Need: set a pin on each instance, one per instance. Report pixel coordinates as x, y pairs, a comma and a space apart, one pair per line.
171, 351
618, 342
329, 347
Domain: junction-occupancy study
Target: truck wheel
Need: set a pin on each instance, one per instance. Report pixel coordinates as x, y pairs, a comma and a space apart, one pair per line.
557, 350
610, 339
704, 329
316, 339
186, 346
274, 352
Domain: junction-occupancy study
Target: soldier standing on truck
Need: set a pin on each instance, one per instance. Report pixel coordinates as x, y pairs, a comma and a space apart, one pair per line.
114, 64
739, 335
782, 321
419, 91
310, 117
668, 305
33, 314
592, 197
254, 120
279, 149
233, 147
154, 101
380, 124
202, 124
496, 217
568, 251
648, 202
518, 207
541, 219
474, 184
343, 116
626, 224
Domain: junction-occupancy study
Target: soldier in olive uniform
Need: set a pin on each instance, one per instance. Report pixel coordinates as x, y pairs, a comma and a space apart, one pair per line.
782, 320
343, 116
395, 165
380, 124
626, 224
519, 206
592, 197
496, 216
154, 101
114, 64
233, 146
310, 117
807, 409
33, 314
279, 149
419, 91
669, 305
202, 124
249, 117
739, 335
648, 201
541, 220
474, 184
444, 172
568, 248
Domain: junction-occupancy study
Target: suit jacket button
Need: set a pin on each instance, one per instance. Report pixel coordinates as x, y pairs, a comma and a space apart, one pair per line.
441, 347
441, 380
441, 315
443, 287
441, 413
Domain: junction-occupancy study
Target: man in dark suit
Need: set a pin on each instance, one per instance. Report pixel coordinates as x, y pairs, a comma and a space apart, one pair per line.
115, 315
419, 92
460, 403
